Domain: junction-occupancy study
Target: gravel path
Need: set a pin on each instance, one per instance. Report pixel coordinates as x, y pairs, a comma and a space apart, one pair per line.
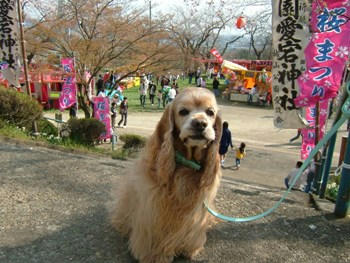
52, 209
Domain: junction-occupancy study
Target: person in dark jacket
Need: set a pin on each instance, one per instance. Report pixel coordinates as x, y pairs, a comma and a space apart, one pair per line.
216, 86
225, 142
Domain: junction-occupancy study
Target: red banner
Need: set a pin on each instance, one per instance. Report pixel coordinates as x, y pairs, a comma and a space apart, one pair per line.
68, 95
101, 109
216, 54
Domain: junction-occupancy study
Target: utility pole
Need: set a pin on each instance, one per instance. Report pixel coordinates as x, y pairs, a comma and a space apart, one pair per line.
24, 54
150, 13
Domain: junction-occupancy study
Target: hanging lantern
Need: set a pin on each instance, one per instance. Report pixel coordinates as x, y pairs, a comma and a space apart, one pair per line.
241, 22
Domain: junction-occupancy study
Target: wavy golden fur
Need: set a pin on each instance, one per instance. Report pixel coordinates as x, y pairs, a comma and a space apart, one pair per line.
160, 206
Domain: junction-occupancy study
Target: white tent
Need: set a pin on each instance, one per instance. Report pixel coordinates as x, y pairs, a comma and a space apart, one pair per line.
232, 66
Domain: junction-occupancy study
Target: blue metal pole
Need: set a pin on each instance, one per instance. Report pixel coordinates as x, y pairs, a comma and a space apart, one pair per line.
343, 198
328, 165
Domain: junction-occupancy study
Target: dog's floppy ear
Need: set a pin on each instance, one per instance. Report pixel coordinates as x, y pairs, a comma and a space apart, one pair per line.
212, 160
160, 149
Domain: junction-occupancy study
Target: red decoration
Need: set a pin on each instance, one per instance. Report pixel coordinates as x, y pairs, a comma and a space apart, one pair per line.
241, 22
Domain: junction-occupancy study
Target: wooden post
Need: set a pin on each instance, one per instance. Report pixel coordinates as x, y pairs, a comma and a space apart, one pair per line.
24, 54
342, 150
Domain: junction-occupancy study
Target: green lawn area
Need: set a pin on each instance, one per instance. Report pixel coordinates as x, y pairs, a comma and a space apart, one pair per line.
134, 98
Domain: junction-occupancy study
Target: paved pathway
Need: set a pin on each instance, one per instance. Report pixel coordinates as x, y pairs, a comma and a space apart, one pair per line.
53, 209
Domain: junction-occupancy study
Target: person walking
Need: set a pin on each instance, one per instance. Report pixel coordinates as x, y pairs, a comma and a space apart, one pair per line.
216, 86
123, 112
159, 97
73, 111
251, 94
171, 94
114, 113
152, 92
240, 154
165, 95
143, 92
225, 142
99, 84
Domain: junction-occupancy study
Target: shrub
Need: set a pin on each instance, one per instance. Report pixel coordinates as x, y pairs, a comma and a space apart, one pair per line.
120, 154
133, 141
45, 126
19, 109
85, 131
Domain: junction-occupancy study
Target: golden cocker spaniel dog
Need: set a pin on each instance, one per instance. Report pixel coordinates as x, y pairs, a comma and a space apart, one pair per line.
160, 206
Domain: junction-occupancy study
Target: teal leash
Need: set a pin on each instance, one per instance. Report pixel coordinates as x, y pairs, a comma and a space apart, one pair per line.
345, 116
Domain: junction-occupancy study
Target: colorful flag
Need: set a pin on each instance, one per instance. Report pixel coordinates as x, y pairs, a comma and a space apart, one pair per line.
309, 134
101, 109
68, 96
326, 54
330, 16
9, 43
290, 33
216, 54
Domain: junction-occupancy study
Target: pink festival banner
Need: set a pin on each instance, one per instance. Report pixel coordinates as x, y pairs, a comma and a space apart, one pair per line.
326, 54
101, 109
68, 95
309, 134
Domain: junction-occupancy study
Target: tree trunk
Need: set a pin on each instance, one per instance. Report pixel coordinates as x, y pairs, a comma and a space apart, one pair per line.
83, 100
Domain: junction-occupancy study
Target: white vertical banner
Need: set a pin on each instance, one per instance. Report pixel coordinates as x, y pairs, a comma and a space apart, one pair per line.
9, 41
290, 22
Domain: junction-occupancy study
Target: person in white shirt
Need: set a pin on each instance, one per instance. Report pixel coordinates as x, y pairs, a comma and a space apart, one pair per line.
143, 91
301, 182
171, 94
251, 94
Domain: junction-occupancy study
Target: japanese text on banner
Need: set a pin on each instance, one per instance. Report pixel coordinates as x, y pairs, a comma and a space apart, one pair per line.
9, 44
68, 96
101, 109
290, 34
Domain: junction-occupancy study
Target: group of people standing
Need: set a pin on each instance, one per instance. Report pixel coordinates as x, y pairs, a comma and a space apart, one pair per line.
165, 94
107, 87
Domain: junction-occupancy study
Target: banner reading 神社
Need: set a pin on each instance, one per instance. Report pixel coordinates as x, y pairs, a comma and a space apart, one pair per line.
290, 36
9, 44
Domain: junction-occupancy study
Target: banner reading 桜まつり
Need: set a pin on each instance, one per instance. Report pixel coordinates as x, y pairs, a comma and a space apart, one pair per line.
290, 36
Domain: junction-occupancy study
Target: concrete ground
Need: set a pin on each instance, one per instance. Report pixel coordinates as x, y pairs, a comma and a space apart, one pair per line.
53, 204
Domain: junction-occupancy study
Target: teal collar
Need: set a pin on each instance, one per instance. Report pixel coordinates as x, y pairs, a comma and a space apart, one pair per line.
180, 159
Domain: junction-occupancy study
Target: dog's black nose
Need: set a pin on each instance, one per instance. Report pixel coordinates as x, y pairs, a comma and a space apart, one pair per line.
199, 125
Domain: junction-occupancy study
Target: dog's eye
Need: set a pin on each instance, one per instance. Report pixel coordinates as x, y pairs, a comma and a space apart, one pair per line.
210, 112
184, 112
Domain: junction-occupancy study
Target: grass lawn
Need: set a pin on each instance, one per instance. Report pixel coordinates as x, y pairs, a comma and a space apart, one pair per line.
134, 98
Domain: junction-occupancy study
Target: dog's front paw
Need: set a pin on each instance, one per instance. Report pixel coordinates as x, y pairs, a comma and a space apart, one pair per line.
192, 254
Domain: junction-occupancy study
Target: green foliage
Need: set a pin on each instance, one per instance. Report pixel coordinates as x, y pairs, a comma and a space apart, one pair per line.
11, 131
85, 131
120, 154
46, 127
333, 187
19, 109
133, 141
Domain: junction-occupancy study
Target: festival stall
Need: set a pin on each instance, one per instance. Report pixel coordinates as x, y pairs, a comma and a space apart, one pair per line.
45, 82
242, 75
